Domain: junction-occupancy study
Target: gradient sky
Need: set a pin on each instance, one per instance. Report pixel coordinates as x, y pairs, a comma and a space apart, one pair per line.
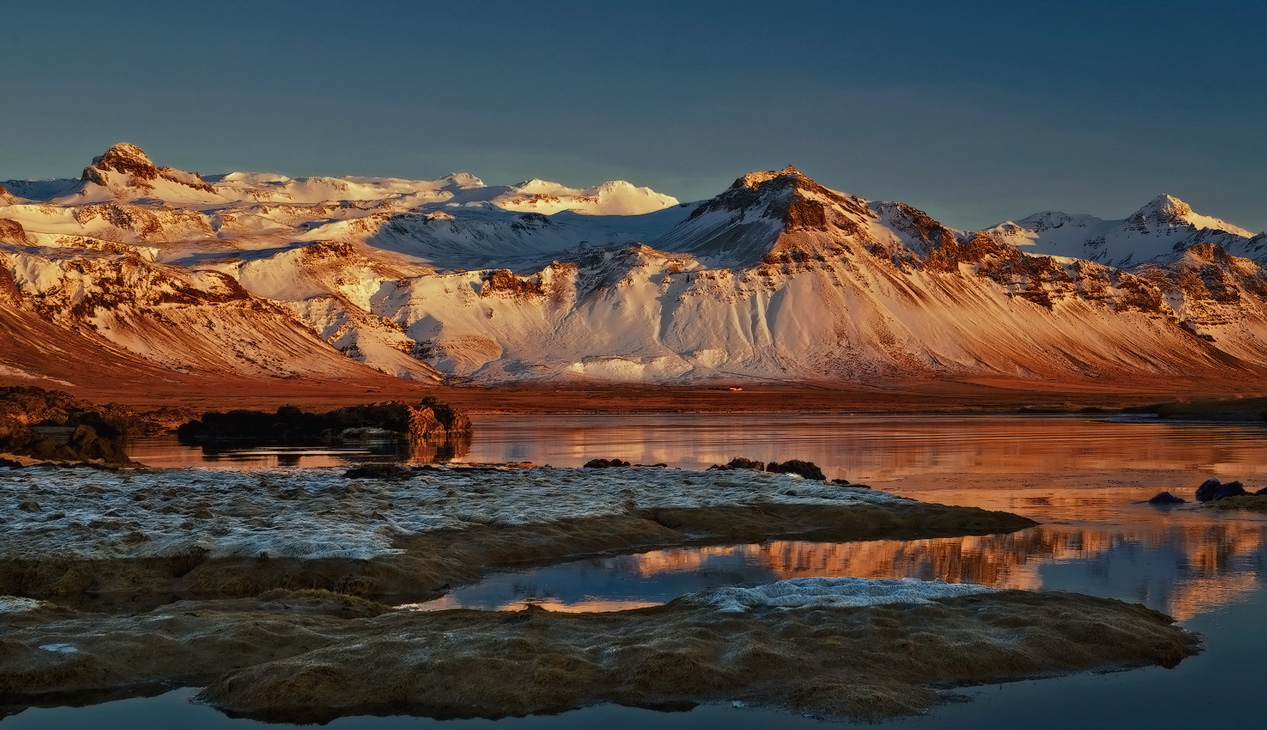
974, 112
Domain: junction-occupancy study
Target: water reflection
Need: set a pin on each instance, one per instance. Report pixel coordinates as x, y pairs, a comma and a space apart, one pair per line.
1080, 476
992, 451
1183, 567
166, 452
878, 447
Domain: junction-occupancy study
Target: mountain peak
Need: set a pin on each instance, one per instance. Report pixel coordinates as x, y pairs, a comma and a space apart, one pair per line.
1165, 208
754, 180
1169, 211
128, 159
138, 174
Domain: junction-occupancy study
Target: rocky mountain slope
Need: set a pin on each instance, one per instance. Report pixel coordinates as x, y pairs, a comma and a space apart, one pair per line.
777, 277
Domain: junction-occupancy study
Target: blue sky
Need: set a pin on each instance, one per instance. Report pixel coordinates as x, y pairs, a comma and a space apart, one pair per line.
975, 112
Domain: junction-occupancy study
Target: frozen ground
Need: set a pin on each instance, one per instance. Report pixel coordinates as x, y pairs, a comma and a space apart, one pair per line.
318, 513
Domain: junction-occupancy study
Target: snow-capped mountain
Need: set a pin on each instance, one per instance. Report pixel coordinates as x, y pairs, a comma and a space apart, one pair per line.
776, 278
1159, 232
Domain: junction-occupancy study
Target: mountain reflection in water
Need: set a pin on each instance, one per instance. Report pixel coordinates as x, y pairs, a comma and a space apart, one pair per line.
1181, 569
1082, 477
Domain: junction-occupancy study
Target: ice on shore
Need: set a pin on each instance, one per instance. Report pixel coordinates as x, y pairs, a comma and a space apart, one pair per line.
830, 593
15, 604
316, 513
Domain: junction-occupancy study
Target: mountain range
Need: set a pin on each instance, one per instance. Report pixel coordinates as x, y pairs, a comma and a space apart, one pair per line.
777, 278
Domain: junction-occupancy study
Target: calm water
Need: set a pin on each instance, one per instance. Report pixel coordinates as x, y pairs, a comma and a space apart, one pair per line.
1078, 476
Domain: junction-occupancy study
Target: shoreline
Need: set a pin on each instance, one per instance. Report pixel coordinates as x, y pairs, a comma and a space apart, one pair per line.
990, 396
284, 637
129, 538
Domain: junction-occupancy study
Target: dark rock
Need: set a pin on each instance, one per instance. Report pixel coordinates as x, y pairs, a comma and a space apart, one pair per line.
605, 463
50, 424
394, 472
806, 469
1208, 488
10, 463
1211, 490
1167, 498
1261, 491
427, 428
846, 483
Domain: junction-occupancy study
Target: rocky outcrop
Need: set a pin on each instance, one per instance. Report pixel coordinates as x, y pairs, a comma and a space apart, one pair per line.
1212, 490
806, 469
739, 462
381, 427
134, 166
53, 425
606, 464
11, 231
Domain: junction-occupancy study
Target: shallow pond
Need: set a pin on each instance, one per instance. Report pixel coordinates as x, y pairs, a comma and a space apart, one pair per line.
1078, 476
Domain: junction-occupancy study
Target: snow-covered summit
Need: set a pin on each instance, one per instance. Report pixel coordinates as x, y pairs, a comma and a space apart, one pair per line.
615, 197
125, 173
1158, 232
1166, 212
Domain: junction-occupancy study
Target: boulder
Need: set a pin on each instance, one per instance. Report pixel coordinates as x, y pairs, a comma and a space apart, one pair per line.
1166, 498
605, 463
1211, 490
806, 469
740, 463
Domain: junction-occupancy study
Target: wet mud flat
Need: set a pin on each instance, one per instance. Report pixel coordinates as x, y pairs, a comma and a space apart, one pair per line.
273, 591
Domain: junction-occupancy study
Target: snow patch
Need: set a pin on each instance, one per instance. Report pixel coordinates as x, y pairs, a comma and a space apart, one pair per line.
15, 604
831, 593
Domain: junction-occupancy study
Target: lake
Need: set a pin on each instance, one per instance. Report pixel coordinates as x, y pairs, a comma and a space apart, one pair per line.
1081, 477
